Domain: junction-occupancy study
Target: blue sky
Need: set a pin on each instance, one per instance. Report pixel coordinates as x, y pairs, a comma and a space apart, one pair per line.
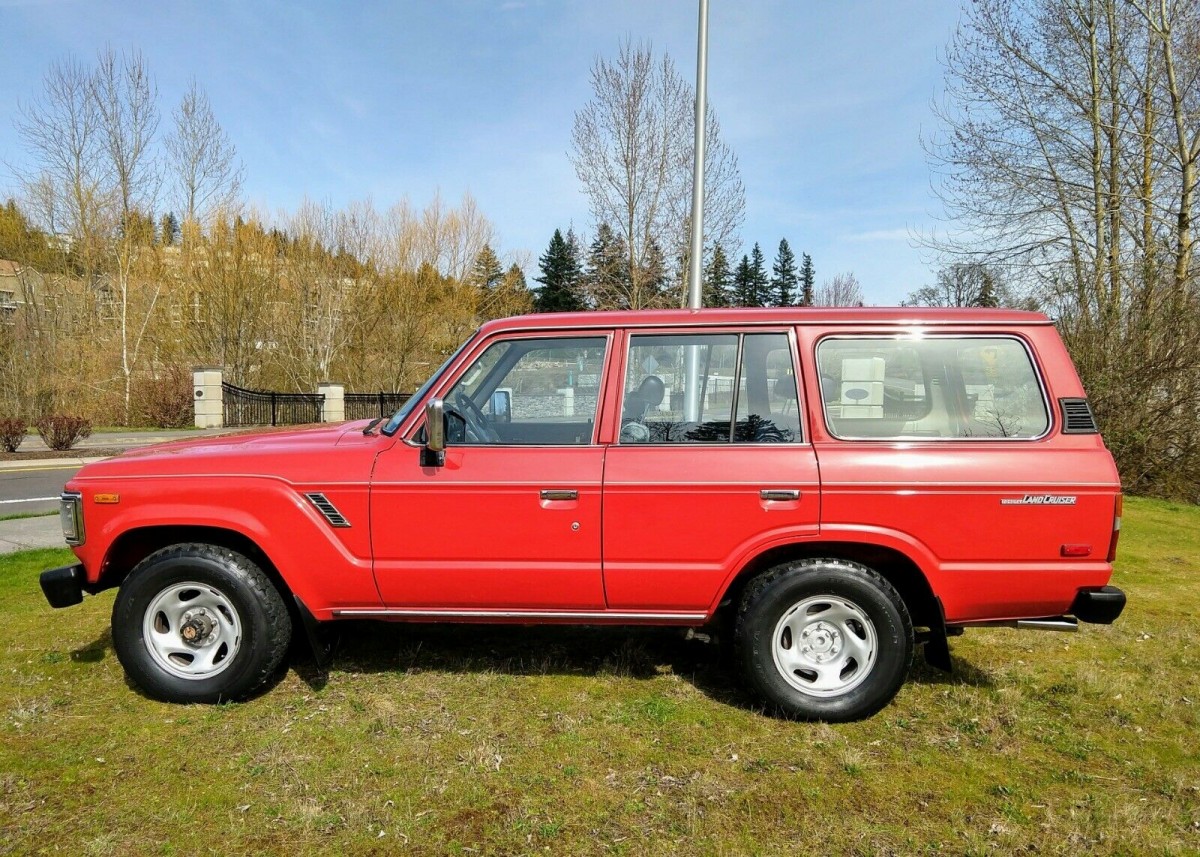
824, 104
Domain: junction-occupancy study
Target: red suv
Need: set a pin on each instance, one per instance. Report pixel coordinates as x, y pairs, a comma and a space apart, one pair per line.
829, 487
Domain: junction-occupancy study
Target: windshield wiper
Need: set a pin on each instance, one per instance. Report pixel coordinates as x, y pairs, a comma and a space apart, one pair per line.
371, 426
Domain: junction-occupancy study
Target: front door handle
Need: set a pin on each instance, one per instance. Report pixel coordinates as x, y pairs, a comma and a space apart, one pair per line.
560, 494
779, 494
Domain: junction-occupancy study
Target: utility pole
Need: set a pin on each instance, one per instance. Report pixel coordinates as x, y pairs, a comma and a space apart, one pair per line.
691, 392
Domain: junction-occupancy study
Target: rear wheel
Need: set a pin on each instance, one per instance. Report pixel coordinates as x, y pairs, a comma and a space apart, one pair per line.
824, 639
199, 623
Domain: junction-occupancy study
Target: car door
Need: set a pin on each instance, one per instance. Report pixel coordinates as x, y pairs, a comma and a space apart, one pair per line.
695, 485
511, 521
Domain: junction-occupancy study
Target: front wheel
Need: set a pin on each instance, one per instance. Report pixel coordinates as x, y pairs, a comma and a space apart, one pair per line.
824, 639
199, 623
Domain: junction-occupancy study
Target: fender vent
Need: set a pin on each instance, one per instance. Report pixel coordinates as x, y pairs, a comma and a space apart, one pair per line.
335, 518
1077, 417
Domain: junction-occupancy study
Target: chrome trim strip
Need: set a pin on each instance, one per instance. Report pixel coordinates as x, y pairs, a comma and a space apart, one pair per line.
520, 614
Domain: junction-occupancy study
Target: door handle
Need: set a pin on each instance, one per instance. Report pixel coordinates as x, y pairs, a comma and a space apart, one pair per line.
560, 494
779, 494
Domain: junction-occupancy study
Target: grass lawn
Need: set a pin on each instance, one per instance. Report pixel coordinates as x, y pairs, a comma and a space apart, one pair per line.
513, 740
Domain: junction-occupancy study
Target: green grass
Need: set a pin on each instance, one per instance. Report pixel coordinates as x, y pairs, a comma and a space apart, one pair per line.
18, 516
567, 741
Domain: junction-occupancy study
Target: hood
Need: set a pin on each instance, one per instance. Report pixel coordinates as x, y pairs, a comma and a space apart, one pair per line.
259, 450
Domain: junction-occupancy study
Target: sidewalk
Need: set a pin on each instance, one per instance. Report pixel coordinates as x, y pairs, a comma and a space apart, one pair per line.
29, 533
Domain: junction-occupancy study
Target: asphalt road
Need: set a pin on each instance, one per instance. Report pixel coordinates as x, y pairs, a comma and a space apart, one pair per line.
33, 489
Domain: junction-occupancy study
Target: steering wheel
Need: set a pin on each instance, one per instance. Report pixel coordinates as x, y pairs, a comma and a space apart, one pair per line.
475, 419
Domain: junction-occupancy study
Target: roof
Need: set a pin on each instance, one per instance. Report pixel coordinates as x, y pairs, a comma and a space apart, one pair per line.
898, 316
9, 268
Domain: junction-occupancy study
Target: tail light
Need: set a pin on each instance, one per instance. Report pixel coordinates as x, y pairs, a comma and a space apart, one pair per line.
1116, 530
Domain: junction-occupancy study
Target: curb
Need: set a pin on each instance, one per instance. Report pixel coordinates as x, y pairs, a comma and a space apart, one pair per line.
48, 463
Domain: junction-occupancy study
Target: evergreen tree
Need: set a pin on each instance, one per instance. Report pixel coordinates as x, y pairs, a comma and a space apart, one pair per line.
743, 284
717, 279
784, 281
653, 277
758, 273
169, 229
486, 272
987, 296
607, 278
560, 277
807, 280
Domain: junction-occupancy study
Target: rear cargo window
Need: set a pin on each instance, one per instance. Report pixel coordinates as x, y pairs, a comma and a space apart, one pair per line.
937, 387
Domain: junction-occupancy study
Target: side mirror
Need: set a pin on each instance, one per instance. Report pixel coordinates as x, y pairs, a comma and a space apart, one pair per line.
433, 454
502, 405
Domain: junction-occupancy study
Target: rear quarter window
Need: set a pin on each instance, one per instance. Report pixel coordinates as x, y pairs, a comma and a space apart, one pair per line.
956, 388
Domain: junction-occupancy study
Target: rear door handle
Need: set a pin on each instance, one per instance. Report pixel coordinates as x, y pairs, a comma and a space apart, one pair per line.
779, 494
560, 494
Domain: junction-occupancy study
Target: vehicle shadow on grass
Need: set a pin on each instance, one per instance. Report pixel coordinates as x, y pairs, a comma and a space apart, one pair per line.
95, 651
640, 653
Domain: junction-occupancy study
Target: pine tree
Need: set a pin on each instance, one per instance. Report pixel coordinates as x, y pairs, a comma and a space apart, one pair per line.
486, 272
987, 296
758, 273
169, 229
607, 277
783, 283
743, 284
717, 279
807, 281
653, 277
560, 277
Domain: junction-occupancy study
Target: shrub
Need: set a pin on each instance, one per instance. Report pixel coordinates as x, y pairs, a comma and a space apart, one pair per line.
12, 432
63, 432
165, 401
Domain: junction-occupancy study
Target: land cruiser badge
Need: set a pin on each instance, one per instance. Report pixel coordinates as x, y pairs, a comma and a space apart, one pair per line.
1039, 500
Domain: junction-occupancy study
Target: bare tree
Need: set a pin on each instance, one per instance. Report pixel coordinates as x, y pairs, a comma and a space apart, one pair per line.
965, 284
126, 101
632, 151
843, 290
201, 159
1069, 154
61, 130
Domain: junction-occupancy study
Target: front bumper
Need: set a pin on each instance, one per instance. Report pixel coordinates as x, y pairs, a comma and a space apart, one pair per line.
1099, 606
64, 586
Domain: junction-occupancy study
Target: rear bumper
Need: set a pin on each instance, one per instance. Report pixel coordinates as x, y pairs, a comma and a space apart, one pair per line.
64, 586
1099, 606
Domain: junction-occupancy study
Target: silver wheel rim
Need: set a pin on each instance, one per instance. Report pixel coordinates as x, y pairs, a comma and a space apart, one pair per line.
192, 630
824, 646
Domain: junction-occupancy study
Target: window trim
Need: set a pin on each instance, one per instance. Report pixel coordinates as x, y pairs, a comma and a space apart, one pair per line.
922, 337
447, 383
741, 333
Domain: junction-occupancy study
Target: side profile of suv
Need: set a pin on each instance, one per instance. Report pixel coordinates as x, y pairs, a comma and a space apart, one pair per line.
831, 488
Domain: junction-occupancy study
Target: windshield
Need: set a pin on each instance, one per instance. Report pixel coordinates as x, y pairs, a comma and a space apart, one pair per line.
406, 408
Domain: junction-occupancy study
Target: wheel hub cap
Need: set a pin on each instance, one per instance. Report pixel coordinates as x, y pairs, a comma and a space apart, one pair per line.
825, 646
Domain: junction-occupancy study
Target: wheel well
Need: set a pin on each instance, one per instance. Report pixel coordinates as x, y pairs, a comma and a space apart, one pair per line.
133, 546
898, 569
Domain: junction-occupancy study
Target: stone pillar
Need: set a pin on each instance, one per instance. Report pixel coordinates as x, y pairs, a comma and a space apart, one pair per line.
333, 408
568, 401
207, 401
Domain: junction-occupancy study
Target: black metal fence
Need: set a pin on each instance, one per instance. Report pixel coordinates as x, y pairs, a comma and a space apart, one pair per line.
367, 406
261, 408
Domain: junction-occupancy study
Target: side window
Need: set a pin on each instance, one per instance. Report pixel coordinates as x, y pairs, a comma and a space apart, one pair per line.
529, 391
940, 387
768, 409
687, 388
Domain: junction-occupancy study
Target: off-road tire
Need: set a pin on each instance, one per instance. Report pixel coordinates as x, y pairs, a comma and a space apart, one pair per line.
768, 599
261, 615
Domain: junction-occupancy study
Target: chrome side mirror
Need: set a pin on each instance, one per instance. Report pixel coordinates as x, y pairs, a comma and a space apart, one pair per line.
433, 454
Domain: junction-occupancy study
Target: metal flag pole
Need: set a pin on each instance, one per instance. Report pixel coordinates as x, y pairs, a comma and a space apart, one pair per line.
691, 395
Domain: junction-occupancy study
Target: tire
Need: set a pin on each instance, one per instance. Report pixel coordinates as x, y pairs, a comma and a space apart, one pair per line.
823, 639
199, 623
